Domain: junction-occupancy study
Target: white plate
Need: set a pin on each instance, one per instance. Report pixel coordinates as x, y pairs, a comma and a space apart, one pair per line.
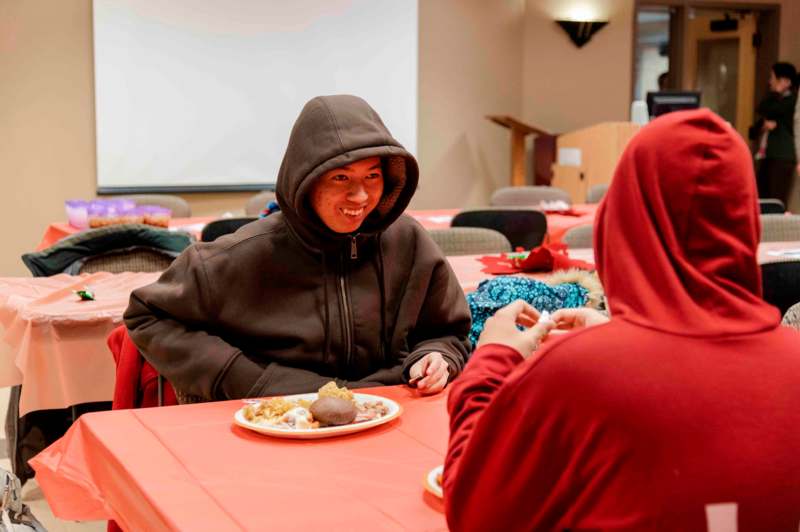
324, 432
784, 253
430, 481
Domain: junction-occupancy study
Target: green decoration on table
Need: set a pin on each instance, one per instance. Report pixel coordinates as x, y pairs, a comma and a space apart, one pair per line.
85, 295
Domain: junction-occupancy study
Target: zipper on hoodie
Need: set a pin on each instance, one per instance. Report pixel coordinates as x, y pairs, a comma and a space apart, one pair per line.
346, 315
353, 247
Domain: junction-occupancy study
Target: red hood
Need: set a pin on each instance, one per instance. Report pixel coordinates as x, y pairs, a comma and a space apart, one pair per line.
676, 237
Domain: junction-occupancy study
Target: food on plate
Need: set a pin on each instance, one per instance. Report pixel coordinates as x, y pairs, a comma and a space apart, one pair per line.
299, 418
334, 406
333, 411
371, 410
331, 390
439, 479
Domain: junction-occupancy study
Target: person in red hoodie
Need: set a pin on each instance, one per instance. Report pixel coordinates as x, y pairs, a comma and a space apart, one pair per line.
680, 413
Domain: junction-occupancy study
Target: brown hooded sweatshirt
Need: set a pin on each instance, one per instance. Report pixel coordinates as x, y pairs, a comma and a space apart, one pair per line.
285, 304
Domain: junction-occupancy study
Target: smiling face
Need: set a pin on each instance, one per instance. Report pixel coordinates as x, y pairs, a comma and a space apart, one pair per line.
344, 197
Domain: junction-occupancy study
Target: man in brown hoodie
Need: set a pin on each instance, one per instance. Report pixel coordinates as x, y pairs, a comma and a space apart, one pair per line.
336, 286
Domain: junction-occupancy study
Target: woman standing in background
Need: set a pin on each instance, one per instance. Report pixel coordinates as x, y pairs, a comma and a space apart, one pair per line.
776, 155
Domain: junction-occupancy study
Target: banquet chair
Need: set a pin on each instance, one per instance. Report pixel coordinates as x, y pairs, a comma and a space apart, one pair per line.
528, 196
469, 241
579, 236
792, 317
223, 226
180, 207
257, 203
780, 228
781, 284
596, 193
137, 383
115, 249
771, 206
521, 226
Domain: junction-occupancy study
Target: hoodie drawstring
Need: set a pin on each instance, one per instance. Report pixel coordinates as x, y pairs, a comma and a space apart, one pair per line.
382, 289
327, 342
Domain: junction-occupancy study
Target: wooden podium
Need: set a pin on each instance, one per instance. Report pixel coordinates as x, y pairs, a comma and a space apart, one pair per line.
518, 133
588, 156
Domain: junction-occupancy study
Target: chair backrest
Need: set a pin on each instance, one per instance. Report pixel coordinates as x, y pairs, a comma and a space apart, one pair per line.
256, 203
528, 196
180, 207
133, 260
522, 227
223, 226
596, 193
780, 228
469, 241
115, 248
792, 317
771, 206
781, 284
579, 236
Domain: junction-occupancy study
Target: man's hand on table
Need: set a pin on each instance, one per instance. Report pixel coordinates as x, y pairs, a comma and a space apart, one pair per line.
430, 373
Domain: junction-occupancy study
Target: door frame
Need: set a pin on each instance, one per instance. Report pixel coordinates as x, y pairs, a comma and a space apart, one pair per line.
768, 27
697, 30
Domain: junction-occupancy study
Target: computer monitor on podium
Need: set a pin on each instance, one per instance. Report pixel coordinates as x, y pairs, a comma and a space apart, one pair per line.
659, 103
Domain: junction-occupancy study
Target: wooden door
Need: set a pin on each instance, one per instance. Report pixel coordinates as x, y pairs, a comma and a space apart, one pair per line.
722, 64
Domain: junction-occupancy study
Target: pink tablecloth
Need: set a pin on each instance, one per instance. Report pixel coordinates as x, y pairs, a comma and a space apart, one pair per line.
54, 344
188, 468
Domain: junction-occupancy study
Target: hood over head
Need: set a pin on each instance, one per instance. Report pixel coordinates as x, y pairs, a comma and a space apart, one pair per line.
676, 236
333, 131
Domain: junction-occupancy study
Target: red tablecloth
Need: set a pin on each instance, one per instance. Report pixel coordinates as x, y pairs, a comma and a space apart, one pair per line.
468, 269
188, 468
56, 344
557, 224
432, 219
57, 231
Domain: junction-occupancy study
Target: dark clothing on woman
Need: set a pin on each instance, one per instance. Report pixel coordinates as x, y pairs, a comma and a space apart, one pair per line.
285, 304
775, 178
775, 174
780, 109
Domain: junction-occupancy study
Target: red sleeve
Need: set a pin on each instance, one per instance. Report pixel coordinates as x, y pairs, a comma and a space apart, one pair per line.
504, 464
472, 393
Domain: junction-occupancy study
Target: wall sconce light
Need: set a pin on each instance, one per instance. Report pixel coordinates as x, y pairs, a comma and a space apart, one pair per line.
580, 32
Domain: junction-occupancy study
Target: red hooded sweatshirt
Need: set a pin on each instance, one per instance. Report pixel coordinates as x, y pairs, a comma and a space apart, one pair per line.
682, 412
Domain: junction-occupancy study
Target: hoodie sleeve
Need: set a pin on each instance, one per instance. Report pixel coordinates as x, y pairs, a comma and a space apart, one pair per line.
171, 322
496, 446
444, 321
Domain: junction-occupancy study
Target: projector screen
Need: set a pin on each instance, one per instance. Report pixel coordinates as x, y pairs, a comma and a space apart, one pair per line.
202, 94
